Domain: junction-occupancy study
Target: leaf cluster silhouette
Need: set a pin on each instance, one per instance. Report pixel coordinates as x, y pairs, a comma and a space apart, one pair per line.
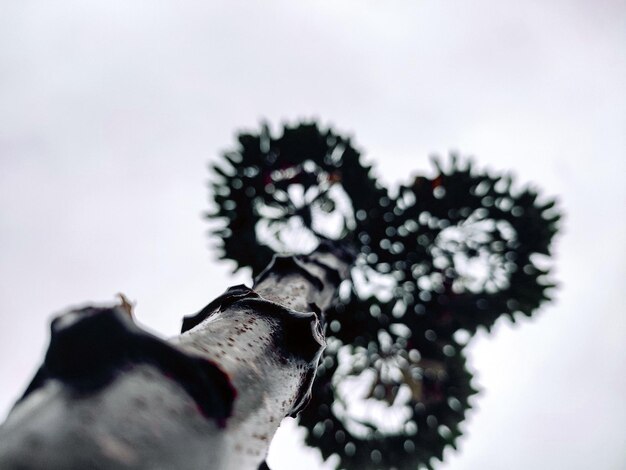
436, 260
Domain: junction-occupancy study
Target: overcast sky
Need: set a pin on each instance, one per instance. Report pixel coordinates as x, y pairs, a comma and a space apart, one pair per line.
110, 112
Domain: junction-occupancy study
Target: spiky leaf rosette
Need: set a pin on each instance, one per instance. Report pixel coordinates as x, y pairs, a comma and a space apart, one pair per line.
283, 194
465, 247
391, 397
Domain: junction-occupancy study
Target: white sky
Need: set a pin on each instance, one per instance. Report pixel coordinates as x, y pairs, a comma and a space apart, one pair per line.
110, 111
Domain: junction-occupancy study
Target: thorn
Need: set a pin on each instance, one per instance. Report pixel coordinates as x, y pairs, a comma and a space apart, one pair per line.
126, 305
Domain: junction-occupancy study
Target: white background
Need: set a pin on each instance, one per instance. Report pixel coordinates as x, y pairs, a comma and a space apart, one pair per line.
110, 112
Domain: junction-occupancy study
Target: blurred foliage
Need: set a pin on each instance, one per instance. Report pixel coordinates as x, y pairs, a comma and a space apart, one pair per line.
437, 259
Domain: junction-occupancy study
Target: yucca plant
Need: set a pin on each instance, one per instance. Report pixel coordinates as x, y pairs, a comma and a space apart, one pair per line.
433, 262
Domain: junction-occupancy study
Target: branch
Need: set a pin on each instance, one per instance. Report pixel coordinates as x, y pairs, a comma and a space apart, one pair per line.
109, 395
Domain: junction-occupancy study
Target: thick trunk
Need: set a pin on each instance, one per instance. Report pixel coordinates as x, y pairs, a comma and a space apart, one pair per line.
111, 396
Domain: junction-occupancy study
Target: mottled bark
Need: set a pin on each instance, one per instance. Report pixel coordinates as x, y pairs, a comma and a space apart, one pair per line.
111, 396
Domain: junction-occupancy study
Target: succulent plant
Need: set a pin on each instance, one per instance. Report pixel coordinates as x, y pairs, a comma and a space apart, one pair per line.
435, 260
